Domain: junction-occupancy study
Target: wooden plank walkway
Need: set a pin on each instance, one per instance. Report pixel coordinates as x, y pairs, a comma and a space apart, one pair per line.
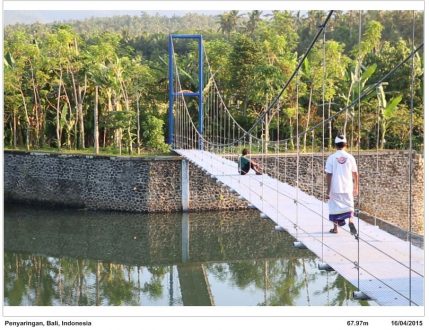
384, 273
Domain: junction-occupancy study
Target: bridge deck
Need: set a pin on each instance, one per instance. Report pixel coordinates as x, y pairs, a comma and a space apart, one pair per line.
384, 259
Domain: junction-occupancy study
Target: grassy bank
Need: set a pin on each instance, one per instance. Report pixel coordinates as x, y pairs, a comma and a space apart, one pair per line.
91, 151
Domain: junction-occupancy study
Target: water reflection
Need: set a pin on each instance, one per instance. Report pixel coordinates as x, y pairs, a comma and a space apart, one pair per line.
93, 258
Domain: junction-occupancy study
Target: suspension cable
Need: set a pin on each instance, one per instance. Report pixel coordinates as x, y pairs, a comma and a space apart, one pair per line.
364, 94
339, 252
410, 160
377, 165
316, 37
323, 131
303, 204
297, 155
358, 160
217, 91
262, 114
278, 159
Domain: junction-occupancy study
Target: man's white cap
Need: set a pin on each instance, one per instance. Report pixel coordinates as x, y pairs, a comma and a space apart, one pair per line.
340, 139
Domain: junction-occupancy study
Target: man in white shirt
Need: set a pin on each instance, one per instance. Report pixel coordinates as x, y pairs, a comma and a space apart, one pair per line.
342, 183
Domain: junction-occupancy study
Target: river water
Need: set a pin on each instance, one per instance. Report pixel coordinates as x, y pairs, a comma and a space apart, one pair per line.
78, 257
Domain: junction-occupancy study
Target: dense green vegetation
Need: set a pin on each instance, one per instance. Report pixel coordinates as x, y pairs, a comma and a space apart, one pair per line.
66, 83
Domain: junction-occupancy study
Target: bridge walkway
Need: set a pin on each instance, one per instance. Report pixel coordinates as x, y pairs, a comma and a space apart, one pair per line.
383, 273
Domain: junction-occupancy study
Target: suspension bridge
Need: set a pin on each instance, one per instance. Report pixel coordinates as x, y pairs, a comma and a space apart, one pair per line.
383, 267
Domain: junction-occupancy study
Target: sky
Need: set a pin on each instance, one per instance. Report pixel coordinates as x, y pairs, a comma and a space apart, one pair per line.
48, 16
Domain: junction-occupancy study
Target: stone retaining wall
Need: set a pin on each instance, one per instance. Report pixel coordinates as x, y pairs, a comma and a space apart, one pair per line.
110, 183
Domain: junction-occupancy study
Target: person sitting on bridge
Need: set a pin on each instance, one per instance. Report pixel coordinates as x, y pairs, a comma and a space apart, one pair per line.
342, 185
245, 164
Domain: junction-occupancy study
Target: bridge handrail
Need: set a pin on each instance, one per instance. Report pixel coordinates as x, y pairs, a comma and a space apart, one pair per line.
315, 212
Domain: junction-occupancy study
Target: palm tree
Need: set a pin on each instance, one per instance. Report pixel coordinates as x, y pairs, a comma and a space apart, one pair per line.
228, 22
254, 18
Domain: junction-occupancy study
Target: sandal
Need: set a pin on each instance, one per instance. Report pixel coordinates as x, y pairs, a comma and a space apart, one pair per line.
333, 231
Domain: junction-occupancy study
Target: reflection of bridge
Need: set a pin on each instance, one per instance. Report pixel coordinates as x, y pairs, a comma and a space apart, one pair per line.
194, 285
188, 241
382, 266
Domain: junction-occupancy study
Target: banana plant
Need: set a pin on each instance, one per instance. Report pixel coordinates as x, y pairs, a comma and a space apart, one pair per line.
68, 125
387, 110
357, 82
8, 61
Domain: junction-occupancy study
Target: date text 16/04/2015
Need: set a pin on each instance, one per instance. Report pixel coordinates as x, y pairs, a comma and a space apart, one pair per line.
407, 323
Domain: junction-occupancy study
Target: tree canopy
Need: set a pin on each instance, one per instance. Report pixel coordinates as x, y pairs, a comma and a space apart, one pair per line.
59, 77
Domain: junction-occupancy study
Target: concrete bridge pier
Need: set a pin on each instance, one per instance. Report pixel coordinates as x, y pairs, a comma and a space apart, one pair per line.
185, 185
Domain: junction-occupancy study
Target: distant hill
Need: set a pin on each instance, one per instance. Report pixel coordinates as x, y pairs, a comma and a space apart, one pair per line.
133, 26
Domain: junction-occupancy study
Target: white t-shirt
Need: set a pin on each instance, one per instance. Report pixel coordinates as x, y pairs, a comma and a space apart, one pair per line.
341, 165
